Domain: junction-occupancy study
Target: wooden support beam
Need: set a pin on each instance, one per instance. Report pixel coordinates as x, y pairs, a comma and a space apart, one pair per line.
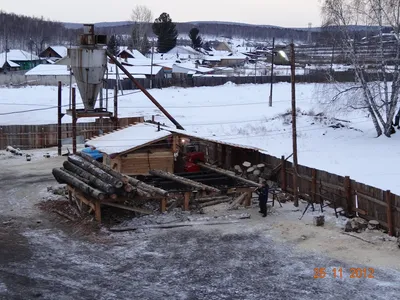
186, 200
97, 211
130, 208
248, 199
163, 205
229, 174
184, 181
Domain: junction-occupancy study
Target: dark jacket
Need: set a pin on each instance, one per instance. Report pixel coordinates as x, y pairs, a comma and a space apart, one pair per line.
263, 193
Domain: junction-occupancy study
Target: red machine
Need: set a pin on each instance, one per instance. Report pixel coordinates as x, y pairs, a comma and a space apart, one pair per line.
191, 159
192, 156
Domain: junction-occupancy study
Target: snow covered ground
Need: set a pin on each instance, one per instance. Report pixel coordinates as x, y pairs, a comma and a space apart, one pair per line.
240, 114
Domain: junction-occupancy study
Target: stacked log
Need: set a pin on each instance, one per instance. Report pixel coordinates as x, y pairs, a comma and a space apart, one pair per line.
100, 181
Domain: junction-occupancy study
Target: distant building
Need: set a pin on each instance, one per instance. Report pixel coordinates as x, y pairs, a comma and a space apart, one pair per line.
223, 46
23, 59
125, 53
54, 53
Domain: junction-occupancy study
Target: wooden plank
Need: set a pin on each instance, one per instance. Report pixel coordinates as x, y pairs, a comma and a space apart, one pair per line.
388, 197
130, 208
369, 198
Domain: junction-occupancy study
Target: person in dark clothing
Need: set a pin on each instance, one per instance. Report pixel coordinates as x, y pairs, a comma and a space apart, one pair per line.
263, 198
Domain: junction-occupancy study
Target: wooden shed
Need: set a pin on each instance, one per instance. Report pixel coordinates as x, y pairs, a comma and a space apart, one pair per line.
137, 149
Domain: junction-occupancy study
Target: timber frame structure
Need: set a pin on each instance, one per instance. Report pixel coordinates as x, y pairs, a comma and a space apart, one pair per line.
92, 185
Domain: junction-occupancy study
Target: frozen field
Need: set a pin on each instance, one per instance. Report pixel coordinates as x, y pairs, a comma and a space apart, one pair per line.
240, 114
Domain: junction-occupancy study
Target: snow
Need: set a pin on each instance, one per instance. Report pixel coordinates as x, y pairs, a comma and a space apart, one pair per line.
188, 66
138, 70
135, 53
48, 69
240, 114
10, 63
18, 55
60, 50
128, 139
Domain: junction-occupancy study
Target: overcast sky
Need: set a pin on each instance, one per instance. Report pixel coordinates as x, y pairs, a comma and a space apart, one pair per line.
289, 13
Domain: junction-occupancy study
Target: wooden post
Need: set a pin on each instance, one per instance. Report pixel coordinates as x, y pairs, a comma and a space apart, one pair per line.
314, 186
74, 120
115, 107
388, 196
163, 206
347, 189
97, 206
186, 201
59, 119
283, 174
294, 129
248, 198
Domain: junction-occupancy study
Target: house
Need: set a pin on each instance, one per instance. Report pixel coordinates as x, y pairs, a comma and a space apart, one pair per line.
49, 74
223, 46
24, 59
54, 53
232, 60
126, 53
183, 52
190, 68
8, 66
148, 71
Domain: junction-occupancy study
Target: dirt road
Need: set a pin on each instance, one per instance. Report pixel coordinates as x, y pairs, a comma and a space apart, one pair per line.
40, 260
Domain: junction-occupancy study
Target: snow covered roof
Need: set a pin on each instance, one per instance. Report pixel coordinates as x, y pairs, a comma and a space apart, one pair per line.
191, 67
10, 63
60, 50
128, 139
48, 69
16, 55
144, 70
183, 50
137, 62
141, 134
134, 53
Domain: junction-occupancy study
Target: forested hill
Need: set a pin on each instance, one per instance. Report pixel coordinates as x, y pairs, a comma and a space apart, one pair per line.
24, 32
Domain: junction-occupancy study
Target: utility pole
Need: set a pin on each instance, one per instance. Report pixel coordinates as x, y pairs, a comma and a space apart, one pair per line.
151, 71
272, 71
255, 69
294, 129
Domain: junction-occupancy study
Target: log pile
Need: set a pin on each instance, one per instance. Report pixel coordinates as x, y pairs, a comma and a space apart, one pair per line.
256, 173
100, 181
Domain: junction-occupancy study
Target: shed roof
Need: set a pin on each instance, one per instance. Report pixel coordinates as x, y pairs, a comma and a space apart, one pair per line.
141, 134
128, 139
49, 69
18, 55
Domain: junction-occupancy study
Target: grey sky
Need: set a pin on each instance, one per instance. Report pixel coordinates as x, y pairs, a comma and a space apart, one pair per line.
290, 13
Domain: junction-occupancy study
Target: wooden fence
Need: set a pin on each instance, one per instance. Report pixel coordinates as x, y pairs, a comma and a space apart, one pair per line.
43, 136
354, 197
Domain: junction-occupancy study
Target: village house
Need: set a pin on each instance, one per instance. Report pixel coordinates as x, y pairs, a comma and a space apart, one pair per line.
23, 59
54, 53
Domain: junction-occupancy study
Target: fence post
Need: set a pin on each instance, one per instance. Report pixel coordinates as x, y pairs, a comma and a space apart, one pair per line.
314, 186
388, 196
347, 188
59, 111
283, 174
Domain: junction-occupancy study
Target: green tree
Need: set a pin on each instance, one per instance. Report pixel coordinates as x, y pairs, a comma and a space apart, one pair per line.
112, 45
196, 39
165, 30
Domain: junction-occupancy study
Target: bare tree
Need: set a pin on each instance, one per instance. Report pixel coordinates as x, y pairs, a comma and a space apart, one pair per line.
377, 69
141, 17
